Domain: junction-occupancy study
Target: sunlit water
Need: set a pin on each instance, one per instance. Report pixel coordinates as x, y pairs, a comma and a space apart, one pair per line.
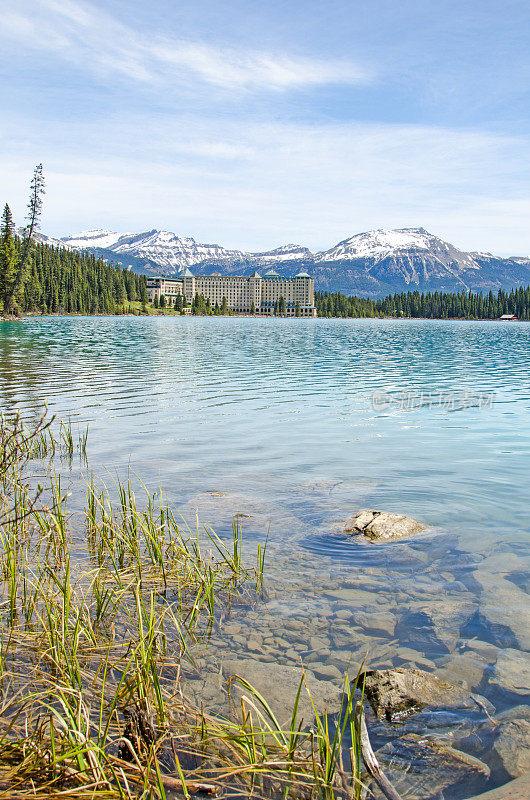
277, 417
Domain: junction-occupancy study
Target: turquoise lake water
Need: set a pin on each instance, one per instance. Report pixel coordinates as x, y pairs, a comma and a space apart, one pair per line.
276, 421
267, 406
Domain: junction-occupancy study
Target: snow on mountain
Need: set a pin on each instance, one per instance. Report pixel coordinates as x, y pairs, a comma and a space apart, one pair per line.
287, 252
169, 250
410, 242
94, 238
42, 238
162, 248
376, 244
373, 263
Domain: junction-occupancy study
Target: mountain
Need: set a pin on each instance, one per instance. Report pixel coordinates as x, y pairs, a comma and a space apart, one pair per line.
43, 239
374, 263
383, 261
165, 251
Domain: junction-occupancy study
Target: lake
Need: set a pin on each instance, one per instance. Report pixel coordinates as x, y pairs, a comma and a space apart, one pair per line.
292, 426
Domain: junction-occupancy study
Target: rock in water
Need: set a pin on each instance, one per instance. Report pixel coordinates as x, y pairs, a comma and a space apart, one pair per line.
382, 526
401, 691
512, 745
278, 685
423, 770
512, 671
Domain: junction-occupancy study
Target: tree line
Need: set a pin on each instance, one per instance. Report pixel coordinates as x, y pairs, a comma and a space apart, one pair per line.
428, 305
57, 280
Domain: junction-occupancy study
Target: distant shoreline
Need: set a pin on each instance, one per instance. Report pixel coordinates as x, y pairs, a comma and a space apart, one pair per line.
33, 315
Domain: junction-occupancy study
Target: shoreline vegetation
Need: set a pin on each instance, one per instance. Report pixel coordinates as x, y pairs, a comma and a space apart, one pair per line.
102, 610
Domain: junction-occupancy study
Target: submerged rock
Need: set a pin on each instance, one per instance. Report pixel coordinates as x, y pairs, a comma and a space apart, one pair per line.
278, 685
504, 607
512, 744
381, 525
417, 630
512, 671
518, 789
423, 770
400, 691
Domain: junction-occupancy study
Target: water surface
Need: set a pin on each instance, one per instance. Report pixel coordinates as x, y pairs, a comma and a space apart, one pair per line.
274, 420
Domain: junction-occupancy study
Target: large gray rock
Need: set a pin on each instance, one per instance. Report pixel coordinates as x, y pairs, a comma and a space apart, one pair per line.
512, 671
512, 745
381, 525
504, 608
396, 692
278, 685
465, 669
423, 770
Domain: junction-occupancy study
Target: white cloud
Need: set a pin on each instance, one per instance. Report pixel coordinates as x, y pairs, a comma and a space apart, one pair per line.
96, 41
256, 186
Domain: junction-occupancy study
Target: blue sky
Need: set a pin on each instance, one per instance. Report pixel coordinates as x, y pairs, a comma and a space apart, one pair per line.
253, 124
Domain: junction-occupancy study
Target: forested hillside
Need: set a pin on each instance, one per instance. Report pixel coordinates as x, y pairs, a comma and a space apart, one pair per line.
57, 280
435, 305
60, 280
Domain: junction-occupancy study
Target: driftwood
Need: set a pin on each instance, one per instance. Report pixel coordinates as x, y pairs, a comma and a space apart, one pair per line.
370, 761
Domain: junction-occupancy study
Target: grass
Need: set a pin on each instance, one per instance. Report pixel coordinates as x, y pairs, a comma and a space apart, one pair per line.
98, 610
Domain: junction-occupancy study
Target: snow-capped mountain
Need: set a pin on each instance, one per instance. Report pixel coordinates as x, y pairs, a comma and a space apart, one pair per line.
85, 240
167, 251
287, 252
43, 239
381, 244
373, 263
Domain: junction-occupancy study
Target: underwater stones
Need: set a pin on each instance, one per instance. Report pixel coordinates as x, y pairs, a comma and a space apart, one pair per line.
504, 608
412, 658
318, 643
512, 745
381, 525
512, 671
326, 672
424, 770
278, 685
464, 669
379, 622
417, 629
357, 596
518, 789
485, 650
400, 691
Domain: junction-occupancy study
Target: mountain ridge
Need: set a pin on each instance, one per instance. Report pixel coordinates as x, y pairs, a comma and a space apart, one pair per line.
371, 263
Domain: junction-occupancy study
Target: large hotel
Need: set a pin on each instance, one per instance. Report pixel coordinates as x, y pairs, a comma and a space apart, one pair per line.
243, 294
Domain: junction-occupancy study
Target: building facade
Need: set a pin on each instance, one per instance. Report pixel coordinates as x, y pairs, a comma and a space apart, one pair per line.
243, 294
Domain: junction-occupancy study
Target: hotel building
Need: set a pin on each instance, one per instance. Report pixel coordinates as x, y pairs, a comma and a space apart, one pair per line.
242, 293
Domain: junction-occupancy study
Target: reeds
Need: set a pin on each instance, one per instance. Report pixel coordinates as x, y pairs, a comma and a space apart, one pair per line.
91, 649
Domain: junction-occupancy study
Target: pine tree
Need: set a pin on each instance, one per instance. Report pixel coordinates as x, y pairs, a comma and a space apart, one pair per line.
34, 211
8, 257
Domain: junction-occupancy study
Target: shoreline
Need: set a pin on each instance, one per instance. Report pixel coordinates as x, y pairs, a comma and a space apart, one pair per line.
158, 314
120, 564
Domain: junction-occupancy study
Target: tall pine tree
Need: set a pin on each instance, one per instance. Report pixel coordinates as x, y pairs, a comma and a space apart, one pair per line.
8, 258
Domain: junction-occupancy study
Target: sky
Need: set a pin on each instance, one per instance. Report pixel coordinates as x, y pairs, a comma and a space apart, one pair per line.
254, 124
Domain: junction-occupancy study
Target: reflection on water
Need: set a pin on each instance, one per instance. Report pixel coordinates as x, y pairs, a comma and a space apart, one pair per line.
274, 420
